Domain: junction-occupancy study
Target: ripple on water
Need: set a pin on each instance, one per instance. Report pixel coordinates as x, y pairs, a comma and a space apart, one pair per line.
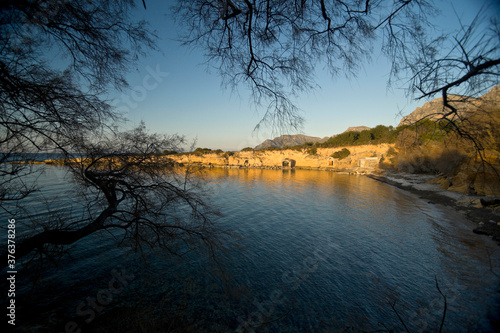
338, 248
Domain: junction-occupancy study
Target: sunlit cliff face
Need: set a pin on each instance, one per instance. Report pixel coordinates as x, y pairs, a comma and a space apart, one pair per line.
290, 158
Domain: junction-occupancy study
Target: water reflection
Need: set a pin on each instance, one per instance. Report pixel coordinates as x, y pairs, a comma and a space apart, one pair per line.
384, 234
328, 250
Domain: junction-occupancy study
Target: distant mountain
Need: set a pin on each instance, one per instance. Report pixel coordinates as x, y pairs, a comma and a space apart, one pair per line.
357, 129
299, 139
289, 140
434, 109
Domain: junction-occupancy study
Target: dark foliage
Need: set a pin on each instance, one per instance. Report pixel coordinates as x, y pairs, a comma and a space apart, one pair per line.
377, 135
341, 154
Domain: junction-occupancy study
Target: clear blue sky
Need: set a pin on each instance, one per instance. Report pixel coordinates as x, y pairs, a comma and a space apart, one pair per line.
191, 102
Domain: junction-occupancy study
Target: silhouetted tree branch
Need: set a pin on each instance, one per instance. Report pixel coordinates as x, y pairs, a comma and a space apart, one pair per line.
57, 59
274, 47
454, 66
137, 194
464, 63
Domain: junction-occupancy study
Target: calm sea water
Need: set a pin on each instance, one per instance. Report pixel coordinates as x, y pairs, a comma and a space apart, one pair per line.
312, 252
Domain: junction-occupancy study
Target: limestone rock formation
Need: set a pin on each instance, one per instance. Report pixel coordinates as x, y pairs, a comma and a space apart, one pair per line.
357, 129
363, 158
435, 110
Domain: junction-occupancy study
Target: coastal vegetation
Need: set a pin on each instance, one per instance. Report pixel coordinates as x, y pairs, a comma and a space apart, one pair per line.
341, 154
312, 151
378, 135
202, 151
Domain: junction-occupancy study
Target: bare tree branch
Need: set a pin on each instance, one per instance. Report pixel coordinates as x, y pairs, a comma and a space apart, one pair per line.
274, 47
135, 189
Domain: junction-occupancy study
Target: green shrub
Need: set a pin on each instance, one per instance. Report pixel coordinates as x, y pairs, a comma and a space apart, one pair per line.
312, 151
202, 151
391, 152
377, 135
422, 131
341, 154
296, 148
271, 149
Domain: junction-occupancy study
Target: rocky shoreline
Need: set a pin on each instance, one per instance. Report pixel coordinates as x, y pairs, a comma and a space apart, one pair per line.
484, 211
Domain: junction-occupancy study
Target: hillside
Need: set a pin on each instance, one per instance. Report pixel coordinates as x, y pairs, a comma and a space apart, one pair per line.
300, 139
466, 106
289, 140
